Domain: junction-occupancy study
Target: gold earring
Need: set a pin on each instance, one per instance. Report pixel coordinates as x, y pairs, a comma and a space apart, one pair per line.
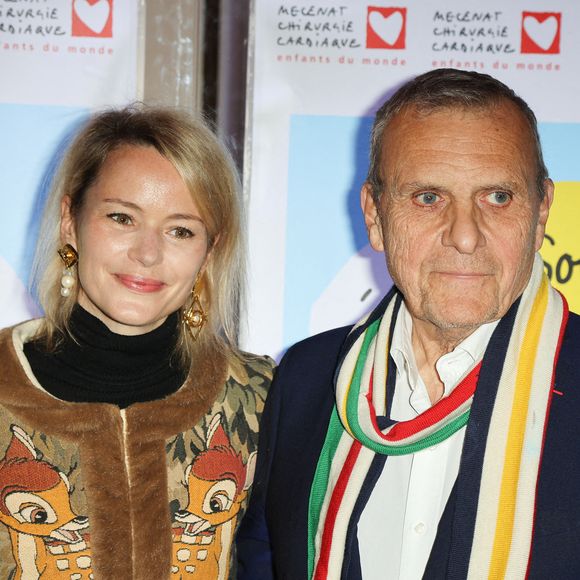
70, 257
194, 317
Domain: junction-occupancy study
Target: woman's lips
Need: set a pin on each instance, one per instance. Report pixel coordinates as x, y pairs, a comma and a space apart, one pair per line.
138, 284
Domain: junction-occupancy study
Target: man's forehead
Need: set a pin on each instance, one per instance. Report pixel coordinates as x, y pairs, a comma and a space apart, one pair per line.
417, 113
480, 143
494, 126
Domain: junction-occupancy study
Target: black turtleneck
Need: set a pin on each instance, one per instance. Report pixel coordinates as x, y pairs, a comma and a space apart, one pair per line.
104, 367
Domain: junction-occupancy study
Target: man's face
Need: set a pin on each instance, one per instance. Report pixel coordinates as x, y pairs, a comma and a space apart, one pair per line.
460, 217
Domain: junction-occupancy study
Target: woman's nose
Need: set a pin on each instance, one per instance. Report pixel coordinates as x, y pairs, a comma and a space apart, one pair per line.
146, 248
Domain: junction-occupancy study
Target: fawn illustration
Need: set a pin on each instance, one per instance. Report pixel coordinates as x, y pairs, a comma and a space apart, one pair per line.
45, 533
217, 482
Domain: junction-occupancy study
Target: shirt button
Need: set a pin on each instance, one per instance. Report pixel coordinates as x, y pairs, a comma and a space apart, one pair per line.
420, 528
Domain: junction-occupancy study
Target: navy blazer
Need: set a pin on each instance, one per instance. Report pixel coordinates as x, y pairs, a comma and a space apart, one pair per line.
272, 540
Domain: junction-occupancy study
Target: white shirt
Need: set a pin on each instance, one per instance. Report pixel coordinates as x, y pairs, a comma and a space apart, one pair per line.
397, 528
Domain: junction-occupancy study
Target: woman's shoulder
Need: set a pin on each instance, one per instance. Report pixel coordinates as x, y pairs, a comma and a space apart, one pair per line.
250, 372
20, 333
263, 364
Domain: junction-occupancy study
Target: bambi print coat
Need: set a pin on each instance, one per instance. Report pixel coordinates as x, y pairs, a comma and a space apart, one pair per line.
154, 491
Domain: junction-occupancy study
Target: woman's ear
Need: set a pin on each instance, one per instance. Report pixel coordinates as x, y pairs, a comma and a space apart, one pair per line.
210, 250
67, 222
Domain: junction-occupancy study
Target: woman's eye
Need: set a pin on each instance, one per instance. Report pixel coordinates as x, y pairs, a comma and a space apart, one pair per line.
182, 232
427, 198
498, 198
121, 218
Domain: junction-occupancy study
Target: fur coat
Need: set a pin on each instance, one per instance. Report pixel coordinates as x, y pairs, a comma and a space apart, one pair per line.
155, 491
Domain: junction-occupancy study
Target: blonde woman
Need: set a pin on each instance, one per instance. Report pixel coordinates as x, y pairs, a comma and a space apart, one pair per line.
128, 417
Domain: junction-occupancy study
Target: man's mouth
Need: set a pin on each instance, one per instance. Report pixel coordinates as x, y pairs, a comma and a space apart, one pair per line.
463, 275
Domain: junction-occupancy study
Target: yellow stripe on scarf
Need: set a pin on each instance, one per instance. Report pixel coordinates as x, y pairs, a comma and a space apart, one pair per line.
515, 439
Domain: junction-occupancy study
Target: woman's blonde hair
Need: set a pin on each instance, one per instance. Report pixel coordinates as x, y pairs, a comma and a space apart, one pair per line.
210, 176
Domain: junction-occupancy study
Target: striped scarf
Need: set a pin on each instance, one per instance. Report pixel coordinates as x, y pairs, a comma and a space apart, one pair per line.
507, 394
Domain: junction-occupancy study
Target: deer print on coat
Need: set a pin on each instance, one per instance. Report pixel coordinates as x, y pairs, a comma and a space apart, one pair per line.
217, 482
35, 506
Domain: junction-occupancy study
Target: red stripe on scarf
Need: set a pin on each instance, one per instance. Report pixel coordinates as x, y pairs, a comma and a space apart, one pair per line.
433, 415
321, 571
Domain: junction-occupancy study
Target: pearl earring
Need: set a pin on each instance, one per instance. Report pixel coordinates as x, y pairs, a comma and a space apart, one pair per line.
69, 257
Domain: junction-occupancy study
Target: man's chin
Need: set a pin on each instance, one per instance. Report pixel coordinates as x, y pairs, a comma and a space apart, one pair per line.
461, 317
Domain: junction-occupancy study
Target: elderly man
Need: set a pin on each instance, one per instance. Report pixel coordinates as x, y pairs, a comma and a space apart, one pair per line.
440, 436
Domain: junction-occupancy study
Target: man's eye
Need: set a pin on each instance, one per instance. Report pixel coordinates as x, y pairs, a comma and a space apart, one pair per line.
182, 232
427, 198
121, 218
499, 198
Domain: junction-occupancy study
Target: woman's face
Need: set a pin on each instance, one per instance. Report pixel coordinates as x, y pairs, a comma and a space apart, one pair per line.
140, 240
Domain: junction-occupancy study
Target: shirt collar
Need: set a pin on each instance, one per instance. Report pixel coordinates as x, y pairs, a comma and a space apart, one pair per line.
402, 346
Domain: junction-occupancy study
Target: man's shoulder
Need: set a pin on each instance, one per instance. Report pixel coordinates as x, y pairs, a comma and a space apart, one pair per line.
568, 370
324, 343
571, 341
313, 360
573, 326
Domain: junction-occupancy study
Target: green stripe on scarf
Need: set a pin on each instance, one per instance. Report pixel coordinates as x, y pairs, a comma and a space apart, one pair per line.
433, 439
353, 415
320, 482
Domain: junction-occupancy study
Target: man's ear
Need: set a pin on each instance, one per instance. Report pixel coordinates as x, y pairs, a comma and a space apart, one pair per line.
67, 223
544, 212
372, 218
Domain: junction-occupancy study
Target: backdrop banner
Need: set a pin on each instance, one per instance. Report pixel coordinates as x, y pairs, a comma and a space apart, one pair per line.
318, 72
59, 59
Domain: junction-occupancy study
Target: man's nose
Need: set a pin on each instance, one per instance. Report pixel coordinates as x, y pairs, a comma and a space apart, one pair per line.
146, 248
463, 230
